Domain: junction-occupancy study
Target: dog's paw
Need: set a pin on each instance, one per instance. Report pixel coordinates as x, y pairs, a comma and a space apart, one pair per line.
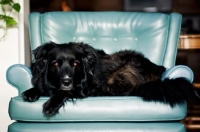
31, 95
52, 106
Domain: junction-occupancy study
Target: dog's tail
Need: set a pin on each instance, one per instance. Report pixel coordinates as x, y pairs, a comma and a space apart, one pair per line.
169, 91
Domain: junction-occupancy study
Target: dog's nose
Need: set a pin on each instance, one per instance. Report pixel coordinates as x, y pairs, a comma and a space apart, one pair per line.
66, 82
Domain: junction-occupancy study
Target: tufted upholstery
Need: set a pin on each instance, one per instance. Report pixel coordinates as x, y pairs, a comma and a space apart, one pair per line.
154, 34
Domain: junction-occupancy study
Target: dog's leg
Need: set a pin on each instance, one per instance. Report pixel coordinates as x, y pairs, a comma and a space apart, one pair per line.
31, 95
56, 101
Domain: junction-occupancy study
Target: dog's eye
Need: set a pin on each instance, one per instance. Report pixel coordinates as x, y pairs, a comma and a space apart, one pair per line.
76, 63
56, 64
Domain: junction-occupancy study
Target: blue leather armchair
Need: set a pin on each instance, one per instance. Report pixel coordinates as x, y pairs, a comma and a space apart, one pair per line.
156, 35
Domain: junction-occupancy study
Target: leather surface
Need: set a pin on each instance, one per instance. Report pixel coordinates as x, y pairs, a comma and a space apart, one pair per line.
98, 109
97, 127
179, 71
153, 34
19, 76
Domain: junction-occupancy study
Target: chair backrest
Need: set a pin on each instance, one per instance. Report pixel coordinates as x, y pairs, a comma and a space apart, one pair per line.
156, 35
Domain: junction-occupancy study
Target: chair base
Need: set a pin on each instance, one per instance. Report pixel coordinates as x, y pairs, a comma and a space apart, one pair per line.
97, 127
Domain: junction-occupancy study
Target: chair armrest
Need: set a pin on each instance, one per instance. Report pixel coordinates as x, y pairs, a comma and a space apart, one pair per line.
19, 76
179, 71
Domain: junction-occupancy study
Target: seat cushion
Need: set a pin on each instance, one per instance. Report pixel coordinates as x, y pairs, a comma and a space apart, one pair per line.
97, 109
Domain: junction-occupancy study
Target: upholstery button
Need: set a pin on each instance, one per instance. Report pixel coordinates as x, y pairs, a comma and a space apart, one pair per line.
94, 39
115, 39
136, 39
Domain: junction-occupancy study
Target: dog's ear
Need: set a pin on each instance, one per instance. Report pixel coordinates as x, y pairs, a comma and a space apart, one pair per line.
40, 55
42, 51
89, 57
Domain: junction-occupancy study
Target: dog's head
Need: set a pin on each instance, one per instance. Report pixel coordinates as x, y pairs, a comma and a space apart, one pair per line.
63, 66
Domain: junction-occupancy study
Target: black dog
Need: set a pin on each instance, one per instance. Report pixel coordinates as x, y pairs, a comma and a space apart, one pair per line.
76, 70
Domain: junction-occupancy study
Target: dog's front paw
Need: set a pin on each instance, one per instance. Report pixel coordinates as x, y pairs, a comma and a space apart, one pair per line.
31, 95
52, 106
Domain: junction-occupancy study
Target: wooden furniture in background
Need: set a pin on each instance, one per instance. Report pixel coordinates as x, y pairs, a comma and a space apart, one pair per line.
186, 7
189, 42
189, 47
96, 5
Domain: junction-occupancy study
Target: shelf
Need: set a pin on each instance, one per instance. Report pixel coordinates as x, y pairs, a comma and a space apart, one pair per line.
189, 42
197, 85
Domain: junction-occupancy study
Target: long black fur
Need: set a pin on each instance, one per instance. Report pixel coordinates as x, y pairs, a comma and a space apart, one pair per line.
76, 70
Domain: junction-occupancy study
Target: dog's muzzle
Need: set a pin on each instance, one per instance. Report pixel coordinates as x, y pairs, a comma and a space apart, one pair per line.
66, 83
